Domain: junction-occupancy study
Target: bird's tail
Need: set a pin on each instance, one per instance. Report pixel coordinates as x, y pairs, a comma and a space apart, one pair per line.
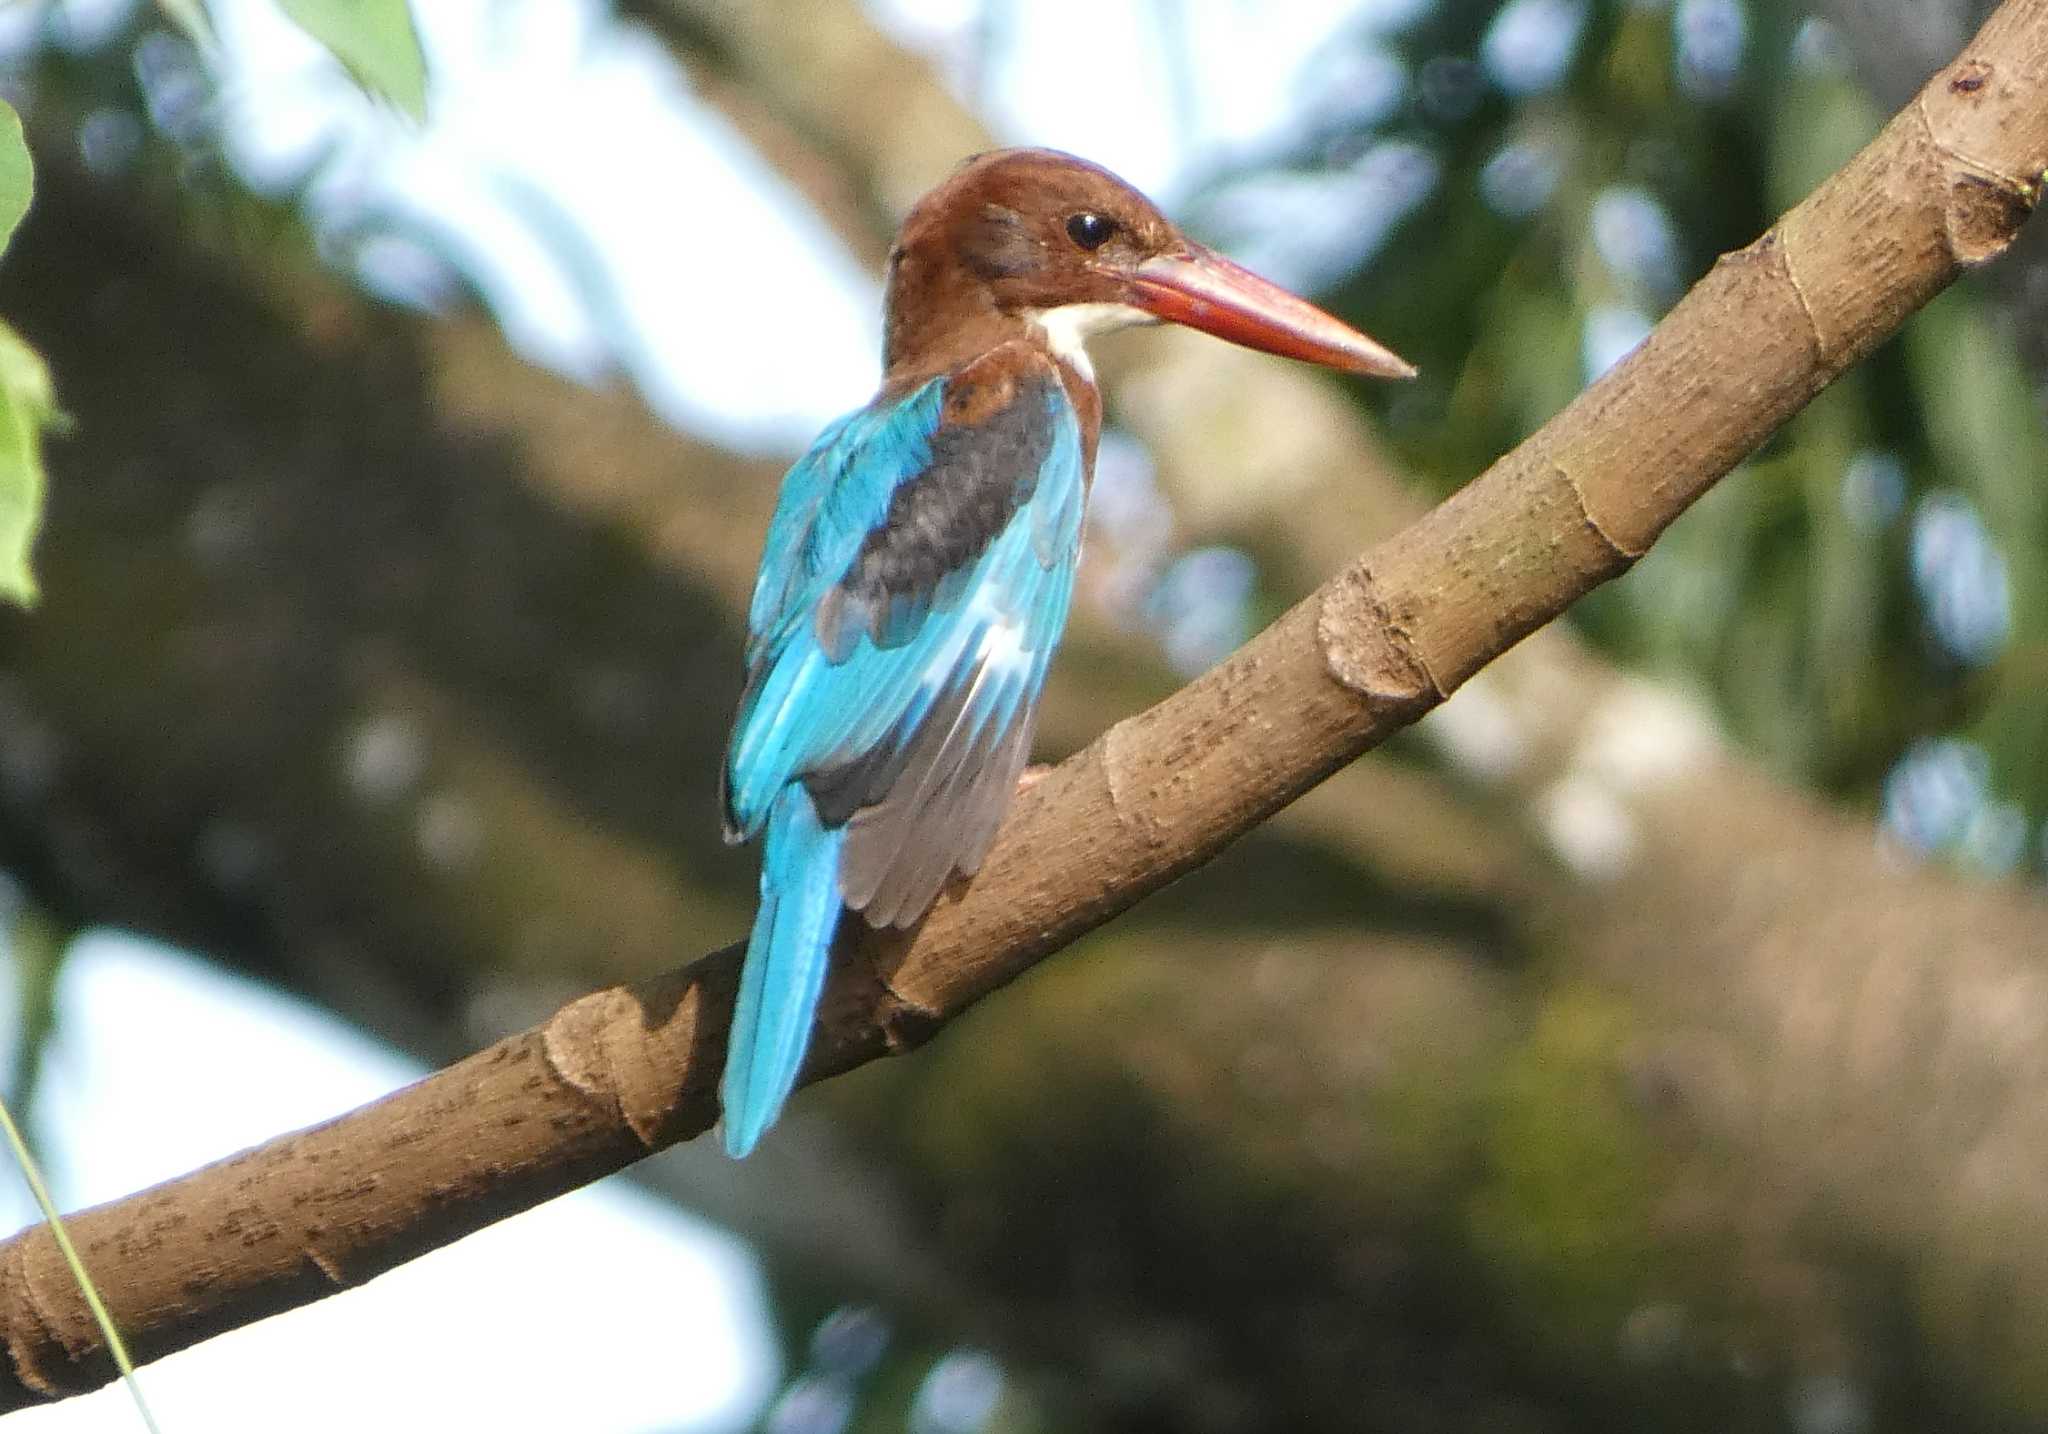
785, 967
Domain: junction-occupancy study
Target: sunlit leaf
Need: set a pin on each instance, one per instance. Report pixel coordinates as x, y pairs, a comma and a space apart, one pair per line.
375, 42
27, 407
17, 179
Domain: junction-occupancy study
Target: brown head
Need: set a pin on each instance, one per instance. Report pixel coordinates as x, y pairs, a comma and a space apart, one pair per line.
1024, 240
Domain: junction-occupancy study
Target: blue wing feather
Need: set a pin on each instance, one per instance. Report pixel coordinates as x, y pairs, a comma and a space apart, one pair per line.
807, 709
831, 499
880, 756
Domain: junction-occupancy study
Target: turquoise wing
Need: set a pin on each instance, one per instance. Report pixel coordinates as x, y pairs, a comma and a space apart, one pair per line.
918, 577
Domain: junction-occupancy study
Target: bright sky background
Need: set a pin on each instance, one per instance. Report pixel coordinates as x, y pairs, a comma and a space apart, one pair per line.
569, 173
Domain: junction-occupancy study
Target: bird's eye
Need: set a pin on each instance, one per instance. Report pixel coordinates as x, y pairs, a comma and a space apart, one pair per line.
1090, 231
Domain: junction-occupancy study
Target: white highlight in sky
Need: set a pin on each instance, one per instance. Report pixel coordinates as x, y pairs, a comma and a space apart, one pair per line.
1530, 44
609, 219
1153, 92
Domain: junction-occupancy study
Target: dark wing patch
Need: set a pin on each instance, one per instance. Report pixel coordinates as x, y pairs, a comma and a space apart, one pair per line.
992, 439
920, 807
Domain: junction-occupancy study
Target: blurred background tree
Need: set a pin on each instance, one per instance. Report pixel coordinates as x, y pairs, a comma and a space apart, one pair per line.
1655, 1037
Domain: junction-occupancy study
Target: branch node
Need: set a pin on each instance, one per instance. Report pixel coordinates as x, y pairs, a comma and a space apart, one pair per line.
1622, 551
904, 1020
1984, 215
27, 1305
573, 1044
1366, 650
1776, 245
908, 1024
1983, 207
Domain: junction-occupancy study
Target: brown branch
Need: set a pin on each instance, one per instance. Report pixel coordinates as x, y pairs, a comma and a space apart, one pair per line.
629, 1070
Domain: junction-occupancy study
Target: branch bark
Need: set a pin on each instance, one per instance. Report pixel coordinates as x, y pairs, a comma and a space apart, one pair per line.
631, 1069
1892, 43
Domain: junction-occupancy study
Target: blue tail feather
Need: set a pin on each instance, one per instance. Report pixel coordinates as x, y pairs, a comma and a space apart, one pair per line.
784, 969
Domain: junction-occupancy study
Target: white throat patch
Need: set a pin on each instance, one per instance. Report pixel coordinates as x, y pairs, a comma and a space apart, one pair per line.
1069, 327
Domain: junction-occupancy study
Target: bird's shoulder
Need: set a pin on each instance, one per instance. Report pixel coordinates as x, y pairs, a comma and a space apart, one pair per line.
989, 375
990, 385
1004, 429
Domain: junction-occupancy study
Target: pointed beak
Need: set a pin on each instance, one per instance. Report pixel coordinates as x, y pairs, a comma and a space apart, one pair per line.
1206, 291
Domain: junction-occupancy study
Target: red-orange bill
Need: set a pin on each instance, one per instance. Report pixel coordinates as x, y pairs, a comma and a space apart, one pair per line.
1206, 291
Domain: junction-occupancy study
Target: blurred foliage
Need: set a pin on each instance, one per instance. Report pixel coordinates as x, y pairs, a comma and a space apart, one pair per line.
151, 113
27, 409
189, 16
853, 1370
36, 944
1861, 601
27, 406
375, 42
17, 182
1559, 1218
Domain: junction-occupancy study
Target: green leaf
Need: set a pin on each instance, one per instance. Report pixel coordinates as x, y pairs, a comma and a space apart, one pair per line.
17, 179
27, 407
375, 42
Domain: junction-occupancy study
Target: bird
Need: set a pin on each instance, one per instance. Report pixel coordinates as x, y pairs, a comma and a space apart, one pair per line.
920, 561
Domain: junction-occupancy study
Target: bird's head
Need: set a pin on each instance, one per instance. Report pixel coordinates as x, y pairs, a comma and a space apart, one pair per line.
1043, 237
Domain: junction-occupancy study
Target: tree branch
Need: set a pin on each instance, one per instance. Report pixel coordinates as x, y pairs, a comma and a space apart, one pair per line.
629, 1070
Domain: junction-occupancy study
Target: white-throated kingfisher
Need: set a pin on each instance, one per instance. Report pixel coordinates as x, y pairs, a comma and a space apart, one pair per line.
921, 559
